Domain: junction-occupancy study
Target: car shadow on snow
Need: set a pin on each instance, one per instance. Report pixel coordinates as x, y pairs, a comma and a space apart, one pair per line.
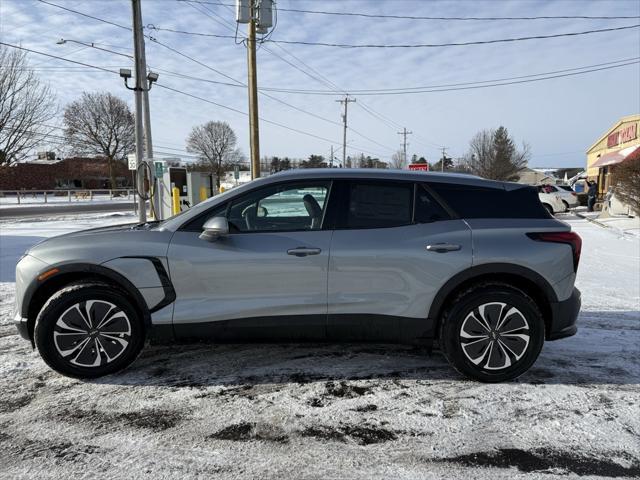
603, 352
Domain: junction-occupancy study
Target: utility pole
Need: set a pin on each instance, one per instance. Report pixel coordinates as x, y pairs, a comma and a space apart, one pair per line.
404, 134
254, 138
156, 209
140, 75
444, 156
346, 102
331, 157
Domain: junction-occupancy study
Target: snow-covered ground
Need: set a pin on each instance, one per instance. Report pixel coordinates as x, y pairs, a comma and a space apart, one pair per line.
326, 411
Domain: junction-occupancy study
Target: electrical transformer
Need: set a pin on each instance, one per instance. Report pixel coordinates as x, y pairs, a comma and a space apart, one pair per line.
243, 11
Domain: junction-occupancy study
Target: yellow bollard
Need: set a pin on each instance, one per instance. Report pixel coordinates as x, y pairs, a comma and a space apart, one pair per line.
222, 189
203, 193
175, 195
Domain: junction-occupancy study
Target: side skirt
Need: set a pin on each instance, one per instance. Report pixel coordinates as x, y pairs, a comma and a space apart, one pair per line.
334, 328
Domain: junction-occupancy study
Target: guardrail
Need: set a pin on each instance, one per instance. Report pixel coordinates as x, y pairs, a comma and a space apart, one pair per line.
8, 197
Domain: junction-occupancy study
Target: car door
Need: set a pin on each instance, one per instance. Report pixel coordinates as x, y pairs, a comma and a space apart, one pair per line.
268, 277
393, 248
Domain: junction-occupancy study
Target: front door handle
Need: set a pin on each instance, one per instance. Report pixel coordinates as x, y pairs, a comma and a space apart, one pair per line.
303, 251
443, 247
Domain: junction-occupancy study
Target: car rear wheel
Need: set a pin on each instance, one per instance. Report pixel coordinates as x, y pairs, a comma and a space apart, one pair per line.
566, 206
492, 333
549, 208
88, 330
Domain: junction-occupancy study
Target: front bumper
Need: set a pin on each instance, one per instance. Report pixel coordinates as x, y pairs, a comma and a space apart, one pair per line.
22, 326
564, 315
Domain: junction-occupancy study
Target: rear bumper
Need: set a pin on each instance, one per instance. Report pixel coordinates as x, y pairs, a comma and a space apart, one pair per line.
563, 316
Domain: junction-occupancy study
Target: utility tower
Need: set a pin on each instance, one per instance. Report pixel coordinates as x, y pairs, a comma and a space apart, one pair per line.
404, 134
345, 102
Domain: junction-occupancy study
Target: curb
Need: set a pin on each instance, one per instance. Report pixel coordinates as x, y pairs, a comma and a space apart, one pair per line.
620, 232
592, 220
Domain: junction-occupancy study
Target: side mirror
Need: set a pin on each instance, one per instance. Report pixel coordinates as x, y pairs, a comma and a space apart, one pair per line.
214, 228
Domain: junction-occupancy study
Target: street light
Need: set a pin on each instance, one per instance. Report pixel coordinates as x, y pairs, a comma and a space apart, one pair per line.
63, 41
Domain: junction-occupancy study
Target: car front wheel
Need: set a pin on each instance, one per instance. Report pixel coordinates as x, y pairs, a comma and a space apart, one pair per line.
87, 330
492, 333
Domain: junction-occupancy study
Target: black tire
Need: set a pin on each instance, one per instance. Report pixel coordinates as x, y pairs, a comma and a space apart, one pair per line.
566, 206
107, 347
525, 321
548, 207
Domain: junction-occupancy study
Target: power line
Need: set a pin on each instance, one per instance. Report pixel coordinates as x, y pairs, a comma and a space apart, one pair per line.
192, 59
416, 17
385, 91
244, 113
86, 15
326, 81
415, 45
57, 57
453, 44
317, 77
177, 91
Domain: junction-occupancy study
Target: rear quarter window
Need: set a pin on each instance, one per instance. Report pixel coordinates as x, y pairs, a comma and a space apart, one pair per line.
469, 201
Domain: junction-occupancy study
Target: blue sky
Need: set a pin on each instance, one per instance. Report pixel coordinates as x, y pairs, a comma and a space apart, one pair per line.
558, 118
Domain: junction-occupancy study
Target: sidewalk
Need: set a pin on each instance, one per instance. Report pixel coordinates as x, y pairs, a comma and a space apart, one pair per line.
621, 224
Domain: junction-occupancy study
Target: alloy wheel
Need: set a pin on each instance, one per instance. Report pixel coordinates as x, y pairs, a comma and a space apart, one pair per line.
494, 336
92, 333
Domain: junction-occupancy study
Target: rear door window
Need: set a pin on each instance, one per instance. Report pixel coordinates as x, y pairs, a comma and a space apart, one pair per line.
427, 209
378, 204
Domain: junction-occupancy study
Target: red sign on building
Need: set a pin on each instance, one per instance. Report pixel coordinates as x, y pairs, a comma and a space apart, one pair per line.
626, 134
419, 166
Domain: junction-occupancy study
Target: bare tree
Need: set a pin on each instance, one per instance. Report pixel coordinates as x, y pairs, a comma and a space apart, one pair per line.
627, 177
215, 143
493, 155
398, 161
100, 124
26, 104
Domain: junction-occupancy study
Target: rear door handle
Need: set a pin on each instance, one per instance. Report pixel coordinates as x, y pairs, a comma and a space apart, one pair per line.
443, 247
303, 251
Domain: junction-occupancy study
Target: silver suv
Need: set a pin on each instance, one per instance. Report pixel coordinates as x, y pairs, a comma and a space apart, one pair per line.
476, 267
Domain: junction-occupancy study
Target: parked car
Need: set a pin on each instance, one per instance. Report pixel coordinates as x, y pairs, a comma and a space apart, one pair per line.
476, 267
566, 194
551, 200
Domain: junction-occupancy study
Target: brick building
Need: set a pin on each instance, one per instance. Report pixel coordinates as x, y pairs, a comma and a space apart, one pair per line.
70, 173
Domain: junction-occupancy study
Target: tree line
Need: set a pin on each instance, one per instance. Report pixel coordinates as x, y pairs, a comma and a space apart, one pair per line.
101, 124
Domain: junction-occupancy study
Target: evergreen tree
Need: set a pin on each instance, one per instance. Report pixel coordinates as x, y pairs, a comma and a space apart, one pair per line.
493, 154
314, 161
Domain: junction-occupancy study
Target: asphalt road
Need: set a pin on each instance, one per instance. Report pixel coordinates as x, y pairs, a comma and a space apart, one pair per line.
38, 210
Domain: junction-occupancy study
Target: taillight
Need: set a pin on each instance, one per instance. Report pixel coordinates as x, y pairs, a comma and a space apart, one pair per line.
574, 194
570, 238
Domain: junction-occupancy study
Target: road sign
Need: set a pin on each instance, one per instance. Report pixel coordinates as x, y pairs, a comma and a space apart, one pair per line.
419, 166
236, 172
159, 169
132, 161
